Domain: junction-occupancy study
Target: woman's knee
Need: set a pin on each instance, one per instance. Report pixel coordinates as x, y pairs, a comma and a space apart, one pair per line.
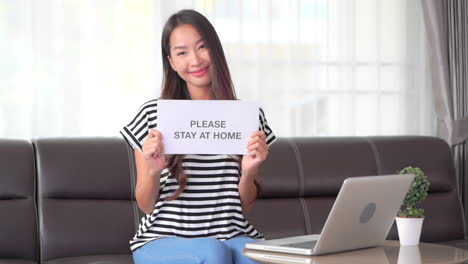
171, 250
237, 246
145, 259
213, 251
184, 250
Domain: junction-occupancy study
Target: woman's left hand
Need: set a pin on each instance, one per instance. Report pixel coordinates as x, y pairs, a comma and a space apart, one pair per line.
257, 152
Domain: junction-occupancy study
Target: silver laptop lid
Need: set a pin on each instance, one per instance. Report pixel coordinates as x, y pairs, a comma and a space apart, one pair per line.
363, 213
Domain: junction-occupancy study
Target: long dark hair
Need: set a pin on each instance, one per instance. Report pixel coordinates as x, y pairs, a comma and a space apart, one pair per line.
174, 87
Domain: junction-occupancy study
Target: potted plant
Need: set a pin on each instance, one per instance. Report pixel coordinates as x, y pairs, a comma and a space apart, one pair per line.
410, 218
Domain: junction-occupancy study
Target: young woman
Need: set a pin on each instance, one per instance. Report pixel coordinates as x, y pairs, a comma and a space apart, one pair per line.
194, 204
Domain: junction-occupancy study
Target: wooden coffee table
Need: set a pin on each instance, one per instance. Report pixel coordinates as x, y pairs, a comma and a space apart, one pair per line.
390, 253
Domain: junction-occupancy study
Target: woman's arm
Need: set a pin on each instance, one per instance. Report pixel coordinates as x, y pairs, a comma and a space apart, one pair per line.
248, 190
147, 187
150, 163
257, 153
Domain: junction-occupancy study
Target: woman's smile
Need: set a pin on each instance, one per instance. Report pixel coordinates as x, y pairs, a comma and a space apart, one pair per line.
199, 73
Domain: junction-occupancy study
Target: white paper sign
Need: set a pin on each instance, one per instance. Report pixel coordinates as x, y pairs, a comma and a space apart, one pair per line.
207, 126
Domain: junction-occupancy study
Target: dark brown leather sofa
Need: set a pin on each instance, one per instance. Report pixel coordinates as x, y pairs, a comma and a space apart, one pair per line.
71, 200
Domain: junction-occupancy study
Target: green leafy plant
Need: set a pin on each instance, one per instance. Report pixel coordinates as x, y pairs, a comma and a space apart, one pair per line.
416, 193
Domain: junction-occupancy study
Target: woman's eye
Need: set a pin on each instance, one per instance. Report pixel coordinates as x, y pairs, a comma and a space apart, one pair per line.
202, 46
181, 53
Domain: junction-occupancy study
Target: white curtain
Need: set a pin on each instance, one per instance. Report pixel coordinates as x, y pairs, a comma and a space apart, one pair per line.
318, 67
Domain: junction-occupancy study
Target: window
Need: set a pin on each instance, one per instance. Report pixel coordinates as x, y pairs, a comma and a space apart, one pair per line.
318, 67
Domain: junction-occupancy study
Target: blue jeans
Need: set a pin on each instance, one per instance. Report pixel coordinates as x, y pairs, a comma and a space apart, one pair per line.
177, 250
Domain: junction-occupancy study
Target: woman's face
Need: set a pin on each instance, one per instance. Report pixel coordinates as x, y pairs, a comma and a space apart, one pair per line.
190, 57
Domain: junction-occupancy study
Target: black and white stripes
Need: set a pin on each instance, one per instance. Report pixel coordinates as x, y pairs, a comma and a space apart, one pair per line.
210, 204
137, 130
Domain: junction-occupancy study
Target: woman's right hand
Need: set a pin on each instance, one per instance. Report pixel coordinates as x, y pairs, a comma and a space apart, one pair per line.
153, 151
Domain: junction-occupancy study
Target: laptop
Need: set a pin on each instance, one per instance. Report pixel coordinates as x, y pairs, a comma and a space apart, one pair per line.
361, 217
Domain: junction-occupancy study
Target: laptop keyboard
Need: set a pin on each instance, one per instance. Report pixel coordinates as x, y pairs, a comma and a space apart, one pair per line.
307, 245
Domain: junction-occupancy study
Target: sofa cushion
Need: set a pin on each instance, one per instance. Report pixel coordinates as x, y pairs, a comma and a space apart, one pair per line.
280, 172
102, 259
18, 221
16, 261
85, 197
327, 162
431, 154
443, 210
280, 217
302, 177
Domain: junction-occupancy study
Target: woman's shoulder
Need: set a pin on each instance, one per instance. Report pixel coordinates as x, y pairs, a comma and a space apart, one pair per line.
136, 130
149, 104
148, 108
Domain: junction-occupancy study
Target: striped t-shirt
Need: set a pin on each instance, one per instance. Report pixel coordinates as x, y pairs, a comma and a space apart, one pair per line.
210, 204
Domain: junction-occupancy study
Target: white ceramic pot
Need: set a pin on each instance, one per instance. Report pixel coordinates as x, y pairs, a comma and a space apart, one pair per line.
409, 230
